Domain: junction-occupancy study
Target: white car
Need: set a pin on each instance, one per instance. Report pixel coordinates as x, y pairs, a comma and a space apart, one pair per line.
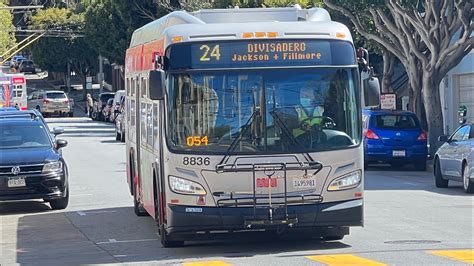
454, 160
50, 103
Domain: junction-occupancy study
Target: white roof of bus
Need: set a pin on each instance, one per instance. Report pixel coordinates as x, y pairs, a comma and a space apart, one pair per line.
231, 23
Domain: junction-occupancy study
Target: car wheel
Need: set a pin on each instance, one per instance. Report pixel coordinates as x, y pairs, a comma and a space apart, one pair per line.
60, 204
420, 166
118, 136
439, 180
468, 183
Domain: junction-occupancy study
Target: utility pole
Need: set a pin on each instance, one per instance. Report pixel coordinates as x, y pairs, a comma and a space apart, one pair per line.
100, 76
68, 77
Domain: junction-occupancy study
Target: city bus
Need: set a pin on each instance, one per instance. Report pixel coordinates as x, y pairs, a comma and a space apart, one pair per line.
242, 120
13, 91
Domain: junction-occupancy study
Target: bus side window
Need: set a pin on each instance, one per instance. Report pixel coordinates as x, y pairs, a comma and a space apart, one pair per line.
143, 88
132, 115
132, 86
155, 127
127, 88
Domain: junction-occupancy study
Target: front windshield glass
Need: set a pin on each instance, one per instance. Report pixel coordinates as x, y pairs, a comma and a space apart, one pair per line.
23, 136
264, 111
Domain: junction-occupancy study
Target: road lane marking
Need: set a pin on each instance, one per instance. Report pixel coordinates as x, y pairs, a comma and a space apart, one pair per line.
207, 263
115, 241
344, 259
466, 255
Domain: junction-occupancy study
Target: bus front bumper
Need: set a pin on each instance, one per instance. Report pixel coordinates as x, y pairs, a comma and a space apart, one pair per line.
192, 219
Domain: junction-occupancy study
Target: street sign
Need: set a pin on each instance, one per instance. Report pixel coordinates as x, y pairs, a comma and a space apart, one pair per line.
388, 101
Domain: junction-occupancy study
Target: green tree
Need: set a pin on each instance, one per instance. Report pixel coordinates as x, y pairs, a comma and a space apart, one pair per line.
54, 53
428, 37
7, 37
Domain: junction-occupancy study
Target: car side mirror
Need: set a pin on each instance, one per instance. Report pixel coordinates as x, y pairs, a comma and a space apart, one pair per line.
443, 138
156, 85
61, 143
58, 131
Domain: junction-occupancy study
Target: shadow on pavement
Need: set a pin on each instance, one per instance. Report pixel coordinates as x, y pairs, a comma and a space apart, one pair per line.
116, 235
382, 178
23, 207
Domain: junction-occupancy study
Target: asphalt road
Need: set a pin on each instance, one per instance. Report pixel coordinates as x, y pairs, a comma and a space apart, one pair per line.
408, 221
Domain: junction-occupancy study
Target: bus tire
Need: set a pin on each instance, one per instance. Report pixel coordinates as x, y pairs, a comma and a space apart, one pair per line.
332, 238
137, 206
167, 243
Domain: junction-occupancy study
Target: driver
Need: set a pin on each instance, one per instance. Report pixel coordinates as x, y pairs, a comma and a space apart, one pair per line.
311, 109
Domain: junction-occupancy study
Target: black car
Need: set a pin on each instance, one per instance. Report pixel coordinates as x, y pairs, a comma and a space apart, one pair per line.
100, 104
31, 165
27, 66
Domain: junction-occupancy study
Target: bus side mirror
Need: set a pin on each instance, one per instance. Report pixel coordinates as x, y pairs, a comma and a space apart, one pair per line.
371, 92
156, 85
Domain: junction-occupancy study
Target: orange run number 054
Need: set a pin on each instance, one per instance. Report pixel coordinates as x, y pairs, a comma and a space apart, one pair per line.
196, 141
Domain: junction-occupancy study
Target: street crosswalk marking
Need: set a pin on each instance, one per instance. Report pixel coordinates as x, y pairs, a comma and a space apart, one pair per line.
466, 255
207, 263
344, 259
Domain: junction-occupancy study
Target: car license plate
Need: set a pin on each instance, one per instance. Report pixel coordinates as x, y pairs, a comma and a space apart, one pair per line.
304, 182
398, 153
16, 182
266, 182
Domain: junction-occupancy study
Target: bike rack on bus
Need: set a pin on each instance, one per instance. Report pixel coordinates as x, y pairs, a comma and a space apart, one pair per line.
269, 170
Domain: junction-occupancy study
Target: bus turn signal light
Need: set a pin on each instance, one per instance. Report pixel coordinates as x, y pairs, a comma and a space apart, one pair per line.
260, 34
340, 35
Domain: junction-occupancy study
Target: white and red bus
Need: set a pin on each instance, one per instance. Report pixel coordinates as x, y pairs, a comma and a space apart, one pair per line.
13, 92
245, 119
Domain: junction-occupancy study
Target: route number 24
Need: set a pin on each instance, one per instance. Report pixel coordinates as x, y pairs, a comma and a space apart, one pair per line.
209, 53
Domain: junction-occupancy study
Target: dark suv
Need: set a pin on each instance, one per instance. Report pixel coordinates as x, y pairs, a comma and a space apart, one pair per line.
31, 165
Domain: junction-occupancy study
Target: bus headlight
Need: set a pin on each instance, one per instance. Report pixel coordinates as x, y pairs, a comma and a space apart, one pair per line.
348, 181
53, 167
183, 186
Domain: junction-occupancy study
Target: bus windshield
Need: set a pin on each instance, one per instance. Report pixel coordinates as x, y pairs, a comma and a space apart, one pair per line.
269, 111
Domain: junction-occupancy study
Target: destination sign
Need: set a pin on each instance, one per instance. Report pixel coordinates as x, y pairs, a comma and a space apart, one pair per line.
260, 53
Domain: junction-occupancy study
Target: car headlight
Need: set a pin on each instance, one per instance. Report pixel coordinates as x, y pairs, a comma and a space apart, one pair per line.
348, 181
53, 167
183, 186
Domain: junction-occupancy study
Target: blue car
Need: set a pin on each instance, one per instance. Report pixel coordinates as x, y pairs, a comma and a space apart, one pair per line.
394, 137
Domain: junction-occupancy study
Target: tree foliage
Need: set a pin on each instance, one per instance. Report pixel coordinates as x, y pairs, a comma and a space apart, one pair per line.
7, 37
428, 37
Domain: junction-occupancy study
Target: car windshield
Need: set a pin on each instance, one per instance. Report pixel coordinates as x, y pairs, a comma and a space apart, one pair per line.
264, 111
396, 121
23, 136
55, 95
105, 97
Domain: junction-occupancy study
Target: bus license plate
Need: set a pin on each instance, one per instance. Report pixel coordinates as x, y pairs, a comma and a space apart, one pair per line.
16, 182
304, 182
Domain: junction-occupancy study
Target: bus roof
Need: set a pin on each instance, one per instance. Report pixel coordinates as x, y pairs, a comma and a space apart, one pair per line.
230, 24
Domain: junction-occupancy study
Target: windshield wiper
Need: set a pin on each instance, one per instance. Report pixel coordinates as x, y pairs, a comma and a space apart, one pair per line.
243, 132
287, 132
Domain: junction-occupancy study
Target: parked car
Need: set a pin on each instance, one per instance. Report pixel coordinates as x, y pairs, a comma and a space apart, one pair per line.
50, 103
120, 121
99, 105
107, 110
32, 165
16, 60
394, 137
454, 160
116, 104
27, 66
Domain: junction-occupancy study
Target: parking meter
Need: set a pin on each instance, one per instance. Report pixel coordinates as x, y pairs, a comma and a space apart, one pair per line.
462, 114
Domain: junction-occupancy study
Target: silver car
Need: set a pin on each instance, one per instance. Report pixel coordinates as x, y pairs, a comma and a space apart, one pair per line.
50, 103
454, 160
